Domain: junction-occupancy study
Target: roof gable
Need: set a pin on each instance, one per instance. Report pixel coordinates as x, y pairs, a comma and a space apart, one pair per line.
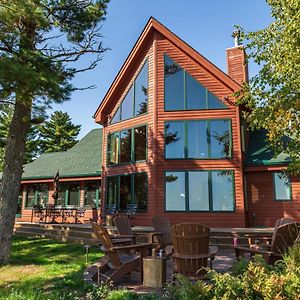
146, 35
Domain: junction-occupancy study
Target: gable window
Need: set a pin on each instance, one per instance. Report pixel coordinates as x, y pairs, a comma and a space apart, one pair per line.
282, 184
68, 194
127, 189
199, 190
91, 194
37, 194
184, 92
135, 103
127, 146
199, 139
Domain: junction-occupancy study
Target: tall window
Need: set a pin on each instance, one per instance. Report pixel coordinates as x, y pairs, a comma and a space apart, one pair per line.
199, 191
283, 190
68, 194
91, 194
127, 189
183, 92
200, 139
127, 146
135, 102
37, 194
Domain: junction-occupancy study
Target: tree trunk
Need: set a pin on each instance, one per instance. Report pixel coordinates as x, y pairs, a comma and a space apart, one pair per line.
12, 173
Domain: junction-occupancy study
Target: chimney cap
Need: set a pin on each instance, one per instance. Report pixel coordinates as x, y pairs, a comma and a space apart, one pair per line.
236, 34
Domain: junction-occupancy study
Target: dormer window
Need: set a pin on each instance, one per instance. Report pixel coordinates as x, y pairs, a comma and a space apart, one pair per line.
135, 103
184, 92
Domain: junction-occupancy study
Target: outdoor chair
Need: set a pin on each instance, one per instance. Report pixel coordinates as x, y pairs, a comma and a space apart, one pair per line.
117, 263
110, 213
124, 228
131, 210
284, 237
51, 213
162, 232
37, 212
192, 252
79, 213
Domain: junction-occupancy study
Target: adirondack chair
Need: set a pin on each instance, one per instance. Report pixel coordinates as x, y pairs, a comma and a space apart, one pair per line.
162, 232
266, 240
191, 249
283, 238
124, 227
115, 264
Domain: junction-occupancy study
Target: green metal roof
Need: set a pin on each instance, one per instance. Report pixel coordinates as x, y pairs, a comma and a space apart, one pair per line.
259, 151
83, 159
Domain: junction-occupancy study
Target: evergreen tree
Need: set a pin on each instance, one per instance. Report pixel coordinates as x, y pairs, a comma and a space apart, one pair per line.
59, 133
40, 40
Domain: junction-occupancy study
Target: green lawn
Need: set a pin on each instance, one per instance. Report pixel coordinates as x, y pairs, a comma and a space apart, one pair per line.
45, 269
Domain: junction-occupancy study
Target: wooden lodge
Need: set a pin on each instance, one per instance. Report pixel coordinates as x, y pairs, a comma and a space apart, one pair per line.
174, 143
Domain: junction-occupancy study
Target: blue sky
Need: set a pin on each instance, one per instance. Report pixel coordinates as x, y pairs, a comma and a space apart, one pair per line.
205, 25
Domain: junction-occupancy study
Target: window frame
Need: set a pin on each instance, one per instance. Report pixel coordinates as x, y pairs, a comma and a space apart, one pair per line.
118, 177
35, 195
98, 192
132, 151
119, 107
274, 189
185, 92
185, 126
185, 171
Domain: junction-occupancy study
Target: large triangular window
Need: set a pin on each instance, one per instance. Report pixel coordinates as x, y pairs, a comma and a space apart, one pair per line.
184, 92
135, 103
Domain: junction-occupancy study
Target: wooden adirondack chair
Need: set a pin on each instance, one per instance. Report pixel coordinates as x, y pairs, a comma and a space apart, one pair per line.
266, 240
162, 232
283, 238
124, 227
191, 249
115, 264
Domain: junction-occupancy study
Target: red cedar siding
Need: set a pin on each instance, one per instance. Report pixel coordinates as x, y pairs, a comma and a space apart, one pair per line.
262, 203
156, 166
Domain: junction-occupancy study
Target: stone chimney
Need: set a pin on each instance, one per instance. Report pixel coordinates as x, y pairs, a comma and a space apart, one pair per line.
237, 67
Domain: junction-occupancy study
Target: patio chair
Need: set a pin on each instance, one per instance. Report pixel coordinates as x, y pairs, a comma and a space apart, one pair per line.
124, 228
284, 237
109, 214
79, 213
131, 210
162, 232
191, 249
115, 264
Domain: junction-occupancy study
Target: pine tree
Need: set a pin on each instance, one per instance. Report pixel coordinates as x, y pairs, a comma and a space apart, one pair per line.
59, 133
40, 40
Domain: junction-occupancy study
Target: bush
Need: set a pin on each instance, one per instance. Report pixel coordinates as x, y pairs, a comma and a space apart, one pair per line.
249, 280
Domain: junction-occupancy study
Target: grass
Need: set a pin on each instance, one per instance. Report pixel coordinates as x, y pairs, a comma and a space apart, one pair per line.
45, 269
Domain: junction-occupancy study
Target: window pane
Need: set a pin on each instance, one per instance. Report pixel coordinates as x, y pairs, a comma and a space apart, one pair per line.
197, 139
214, 102
74, 194
195, 93
174, 87
125, 191
141, 91
141, 190
175, 191
198, 191
116, 117
113, 148
112, 191
30, 201
174, 139
140, 143
127, 105
222, 190
220, 138
125, 146
282, 187
91, 193
42, 194
62, 189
